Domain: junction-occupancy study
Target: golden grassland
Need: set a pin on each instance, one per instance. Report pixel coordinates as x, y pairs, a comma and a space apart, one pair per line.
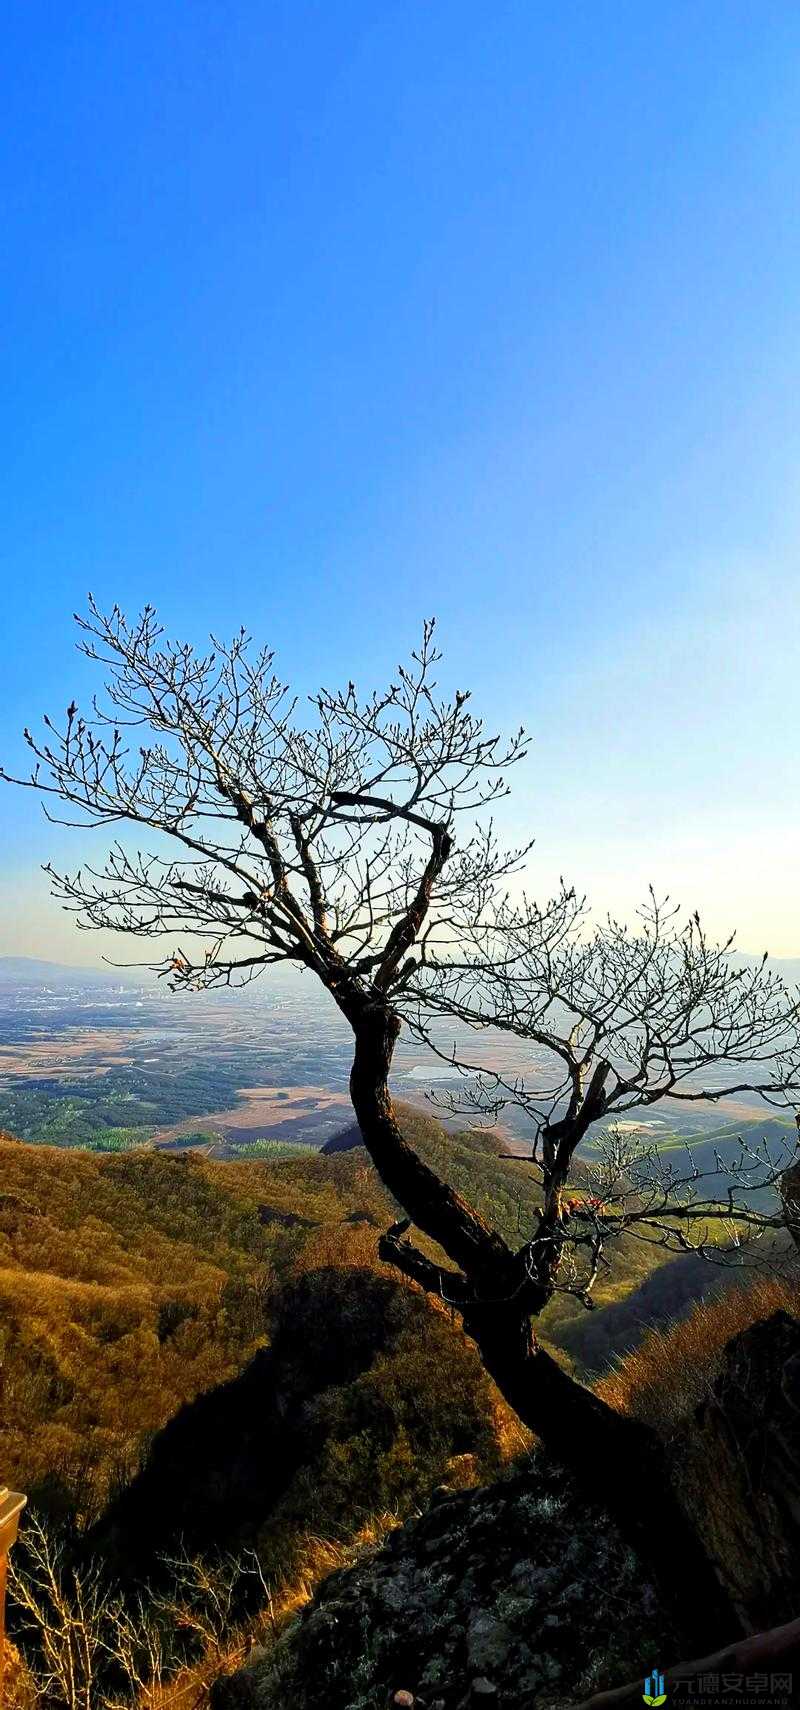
672, 1370
130, 1284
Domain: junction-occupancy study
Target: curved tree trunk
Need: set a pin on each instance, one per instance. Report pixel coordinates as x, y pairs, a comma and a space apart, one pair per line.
615, 1459
430, 1203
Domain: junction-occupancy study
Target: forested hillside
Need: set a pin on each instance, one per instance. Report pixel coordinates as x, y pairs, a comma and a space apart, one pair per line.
131, 1284
211, 1355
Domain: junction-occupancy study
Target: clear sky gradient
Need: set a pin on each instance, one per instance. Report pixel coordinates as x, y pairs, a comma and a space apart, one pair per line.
326, 317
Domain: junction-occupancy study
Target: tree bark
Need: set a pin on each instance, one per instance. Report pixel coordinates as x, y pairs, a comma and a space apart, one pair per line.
432, 1205
615, 1459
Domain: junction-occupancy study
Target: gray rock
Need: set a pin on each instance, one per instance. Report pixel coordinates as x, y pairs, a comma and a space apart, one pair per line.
738, 1462
526, 1585
396, 1593
488, 1641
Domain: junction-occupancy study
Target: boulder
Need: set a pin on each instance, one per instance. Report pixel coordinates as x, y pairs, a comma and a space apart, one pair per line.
515, 1595
737, 1467
523, 1594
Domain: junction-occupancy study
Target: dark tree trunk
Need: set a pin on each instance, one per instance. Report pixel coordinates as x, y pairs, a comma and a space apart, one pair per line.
430, 1203
613, 1458
617, 1461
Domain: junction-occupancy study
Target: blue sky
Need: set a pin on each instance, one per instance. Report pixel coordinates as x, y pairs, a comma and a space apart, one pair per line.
327, 317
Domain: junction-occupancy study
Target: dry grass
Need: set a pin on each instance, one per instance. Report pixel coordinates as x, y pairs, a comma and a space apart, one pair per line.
19, 1687
671, 1371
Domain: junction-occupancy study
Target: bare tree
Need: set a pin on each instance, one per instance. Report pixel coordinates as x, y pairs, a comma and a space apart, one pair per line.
87, 1648
615, 1019
329, 842
67, 1615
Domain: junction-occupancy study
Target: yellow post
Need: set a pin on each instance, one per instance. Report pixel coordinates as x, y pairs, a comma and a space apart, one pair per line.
11, 1506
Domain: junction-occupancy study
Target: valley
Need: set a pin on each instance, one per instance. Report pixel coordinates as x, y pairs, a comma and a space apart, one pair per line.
87, 1061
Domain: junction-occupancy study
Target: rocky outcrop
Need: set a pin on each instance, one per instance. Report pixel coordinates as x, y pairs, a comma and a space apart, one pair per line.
516, 1595
524, 1596
737, 1466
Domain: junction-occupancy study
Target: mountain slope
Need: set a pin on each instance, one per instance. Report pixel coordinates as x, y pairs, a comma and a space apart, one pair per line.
131, 1283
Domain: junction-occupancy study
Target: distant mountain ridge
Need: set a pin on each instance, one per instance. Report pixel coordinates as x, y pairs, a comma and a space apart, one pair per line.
788, 967
32, 971
35, 970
